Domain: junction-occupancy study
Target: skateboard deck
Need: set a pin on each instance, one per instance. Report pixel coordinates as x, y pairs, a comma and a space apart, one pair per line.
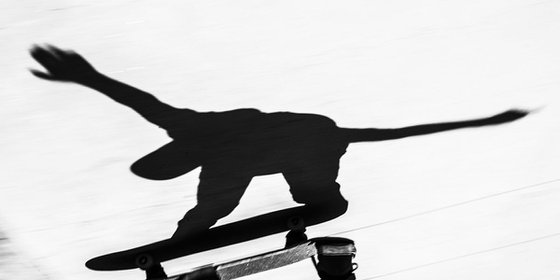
221, 236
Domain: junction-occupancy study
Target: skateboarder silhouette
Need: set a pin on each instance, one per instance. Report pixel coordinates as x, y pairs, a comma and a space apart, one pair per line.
232, 147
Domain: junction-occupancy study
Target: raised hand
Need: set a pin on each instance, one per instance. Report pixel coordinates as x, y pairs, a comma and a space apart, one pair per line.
508, 116
62, 65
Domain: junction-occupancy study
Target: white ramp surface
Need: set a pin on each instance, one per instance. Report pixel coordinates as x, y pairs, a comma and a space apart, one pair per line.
468, 204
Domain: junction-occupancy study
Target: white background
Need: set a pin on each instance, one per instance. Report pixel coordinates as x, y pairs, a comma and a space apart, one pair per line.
469, 204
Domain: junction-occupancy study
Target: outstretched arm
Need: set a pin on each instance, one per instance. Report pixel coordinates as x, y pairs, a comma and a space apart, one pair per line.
69, 66
374, 134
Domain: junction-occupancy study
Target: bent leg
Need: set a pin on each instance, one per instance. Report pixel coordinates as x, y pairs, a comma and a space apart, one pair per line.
315, 186
218, 195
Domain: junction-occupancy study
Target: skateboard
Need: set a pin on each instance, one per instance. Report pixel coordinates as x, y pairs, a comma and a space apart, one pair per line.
331, 256
221, 236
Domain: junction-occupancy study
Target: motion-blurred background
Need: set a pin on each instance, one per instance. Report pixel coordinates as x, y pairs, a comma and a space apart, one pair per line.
469, 204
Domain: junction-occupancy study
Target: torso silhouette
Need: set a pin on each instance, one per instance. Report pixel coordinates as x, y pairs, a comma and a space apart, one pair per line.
250, 142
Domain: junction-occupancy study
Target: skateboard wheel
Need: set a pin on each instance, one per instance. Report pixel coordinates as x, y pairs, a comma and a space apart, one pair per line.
144, 261
295, 223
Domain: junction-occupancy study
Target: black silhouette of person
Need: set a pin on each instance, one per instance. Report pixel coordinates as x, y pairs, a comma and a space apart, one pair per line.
232, 147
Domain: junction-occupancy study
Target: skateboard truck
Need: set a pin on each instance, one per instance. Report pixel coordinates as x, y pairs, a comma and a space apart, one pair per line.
153, 269
155, 272
334, 258
296, 234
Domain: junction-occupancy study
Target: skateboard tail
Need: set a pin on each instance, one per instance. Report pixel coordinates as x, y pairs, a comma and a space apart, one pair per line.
128, 259
103, 263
